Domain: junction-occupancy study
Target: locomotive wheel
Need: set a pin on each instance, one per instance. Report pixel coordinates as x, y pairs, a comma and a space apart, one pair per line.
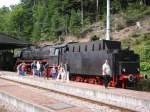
72, 78
78, 79
81, 79
85, 80
92, 81
97, 80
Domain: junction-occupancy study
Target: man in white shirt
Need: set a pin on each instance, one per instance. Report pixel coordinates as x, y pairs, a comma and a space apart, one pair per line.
38, 66
106, 72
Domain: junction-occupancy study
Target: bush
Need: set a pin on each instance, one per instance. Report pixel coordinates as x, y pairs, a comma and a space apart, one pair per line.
94, 38
119, 26
145, 66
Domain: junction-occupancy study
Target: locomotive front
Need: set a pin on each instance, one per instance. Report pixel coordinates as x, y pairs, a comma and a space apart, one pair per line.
127, 71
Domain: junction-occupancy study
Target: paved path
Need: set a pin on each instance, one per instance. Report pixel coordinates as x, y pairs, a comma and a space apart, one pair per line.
135, 100
38, 97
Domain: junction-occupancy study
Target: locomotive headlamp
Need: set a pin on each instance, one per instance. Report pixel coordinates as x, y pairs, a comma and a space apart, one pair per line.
124, 70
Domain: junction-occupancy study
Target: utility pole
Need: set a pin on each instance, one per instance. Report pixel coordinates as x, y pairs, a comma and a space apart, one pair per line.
108, 21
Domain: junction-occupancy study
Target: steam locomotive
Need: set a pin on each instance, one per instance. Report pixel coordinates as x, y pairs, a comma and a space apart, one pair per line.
85, 61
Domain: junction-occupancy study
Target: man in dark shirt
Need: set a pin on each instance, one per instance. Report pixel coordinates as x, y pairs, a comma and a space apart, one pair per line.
46, 70
41, 69
66, 68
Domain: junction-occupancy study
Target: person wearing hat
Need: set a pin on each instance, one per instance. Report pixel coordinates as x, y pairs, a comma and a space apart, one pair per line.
46, 66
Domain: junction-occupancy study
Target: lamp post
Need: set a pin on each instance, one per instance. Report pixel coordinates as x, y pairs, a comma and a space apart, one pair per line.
108, 21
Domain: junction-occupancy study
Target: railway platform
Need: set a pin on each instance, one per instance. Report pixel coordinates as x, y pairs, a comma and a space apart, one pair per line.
29, 99
133, 100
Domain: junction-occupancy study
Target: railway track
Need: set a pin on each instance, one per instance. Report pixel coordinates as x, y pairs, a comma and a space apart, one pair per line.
120, 109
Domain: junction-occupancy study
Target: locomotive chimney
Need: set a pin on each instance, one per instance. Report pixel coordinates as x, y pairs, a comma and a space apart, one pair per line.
108, 21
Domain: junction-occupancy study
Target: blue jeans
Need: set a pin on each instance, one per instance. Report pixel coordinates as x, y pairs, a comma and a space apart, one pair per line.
41, 73
23, 73
54, 75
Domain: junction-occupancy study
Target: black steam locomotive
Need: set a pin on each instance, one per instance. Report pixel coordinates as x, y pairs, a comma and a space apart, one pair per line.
85, 60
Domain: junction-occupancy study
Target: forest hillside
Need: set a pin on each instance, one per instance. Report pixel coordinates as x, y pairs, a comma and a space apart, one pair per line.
53, 20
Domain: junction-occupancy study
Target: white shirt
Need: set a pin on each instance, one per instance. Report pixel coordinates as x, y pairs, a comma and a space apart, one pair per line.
63, 73
53, 70
38, 66
106, 69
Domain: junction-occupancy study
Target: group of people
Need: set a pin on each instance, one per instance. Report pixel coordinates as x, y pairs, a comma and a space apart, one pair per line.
38, 68
60, 72
56, 72
42, 70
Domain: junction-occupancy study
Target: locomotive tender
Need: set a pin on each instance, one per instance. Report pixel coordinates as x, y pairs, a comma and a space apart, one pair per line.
85, 61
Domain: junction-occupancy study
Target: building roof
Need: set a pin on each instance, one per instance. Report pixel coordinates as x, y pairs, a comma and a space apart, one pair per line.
7, 42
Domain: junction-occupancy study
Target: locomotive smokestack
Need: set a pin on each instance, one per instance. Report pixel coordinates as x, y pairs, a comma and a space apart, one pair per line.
108, 21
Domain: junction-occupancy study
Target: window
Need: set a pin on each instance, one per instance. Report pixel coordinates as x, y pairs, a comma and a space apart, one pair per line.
61, 51
56, 52
99, 46
52, 51
67, 49
79, 48
85, 47
93, 47
73, 48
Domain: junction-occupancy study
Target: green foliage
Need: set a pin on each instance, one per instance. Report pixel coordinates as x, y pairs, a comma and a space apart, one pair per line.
4, 13
36, 20
116, 6
135, 12
141, 46
75, 23
94, 38
145, 66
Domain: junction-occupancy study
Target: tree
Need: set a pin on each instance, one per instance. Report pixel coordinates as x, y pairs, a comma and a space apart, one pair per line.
48, 19
4, 16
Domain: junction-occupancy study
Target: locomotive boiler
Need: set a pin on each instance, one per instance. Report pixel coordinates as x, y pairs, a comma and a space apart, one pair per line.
85, 61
